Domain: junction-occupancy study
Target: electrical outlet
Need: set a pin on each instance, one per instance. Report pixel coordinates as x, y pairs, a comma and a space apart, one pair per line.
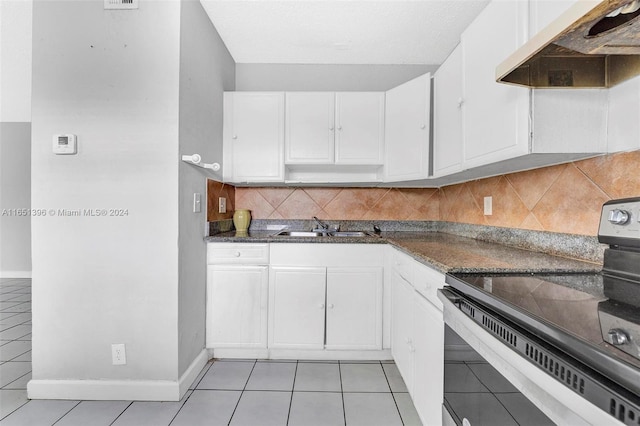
118, 354
222, 205
488, 206
196, 202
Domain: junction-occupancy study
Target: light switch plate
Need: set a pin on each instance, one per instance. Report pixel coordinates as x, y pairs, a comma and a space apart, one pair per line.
222, 205
196, 202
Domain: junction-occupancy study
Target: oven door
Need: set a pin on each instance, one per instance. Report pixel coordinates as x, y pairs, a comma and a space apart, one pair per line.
488, 383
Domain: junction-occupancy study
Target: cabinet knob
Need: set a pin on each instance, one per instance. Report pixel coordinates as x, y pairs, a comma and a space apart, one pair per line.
331, 306
235, 136
331, 128
321, 306
237, 254
460, 102
409, 341
339, 127
412, 348
423, 127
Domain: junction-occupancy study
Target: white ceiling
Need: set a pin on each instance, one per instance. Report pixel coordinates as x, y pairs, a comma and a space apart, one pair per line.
341, 31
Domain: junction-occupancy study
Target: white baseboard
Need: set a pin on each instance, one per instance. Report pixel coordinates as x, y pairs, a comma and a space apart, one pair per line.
190, 375
320, 354
15, 274
127, 390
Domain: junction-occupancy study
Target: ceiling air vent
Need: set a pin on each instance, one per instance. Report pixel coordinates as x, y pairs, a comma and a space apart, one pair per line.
120, 4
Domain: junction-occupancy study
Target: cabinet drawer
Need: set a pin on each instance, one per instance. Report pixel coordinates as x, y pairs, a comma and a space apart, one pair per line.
427, 281
246, 254
403, 265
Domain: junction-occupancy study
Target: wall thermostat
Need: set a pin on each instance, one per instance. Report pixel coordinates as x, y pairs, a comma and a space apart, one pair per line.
65, 144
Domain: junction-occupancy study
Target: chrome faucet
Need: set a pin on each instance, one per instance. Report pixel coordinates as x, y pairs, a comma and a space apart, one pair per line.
320, 225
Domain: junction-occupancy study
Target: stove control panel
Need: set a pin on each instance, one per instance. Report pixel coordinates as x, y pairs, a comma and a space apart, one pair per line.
620, 222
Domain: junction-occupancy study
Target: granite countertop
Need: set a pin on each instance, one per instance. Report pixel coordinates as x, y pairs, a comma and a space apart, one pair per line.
442, 251
453, 253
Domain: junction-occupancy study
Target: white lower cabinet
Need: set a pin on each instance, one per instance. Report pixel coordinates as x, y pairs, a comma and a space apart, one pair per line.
237, 296
332, 308
297, 307
417, 335
325, 297
237, 306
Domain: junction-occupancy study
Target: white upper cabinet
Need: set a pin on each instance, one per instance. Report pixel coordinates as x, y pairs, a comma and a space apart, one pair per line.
543, 12
495, 116
359, 128
407, 118
483, 128
310, 126
447, 115
253, 137
334, 128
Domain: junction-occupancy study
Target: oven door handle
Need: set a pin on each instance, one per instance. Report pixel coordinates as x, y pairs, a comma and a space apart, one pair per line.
447, 295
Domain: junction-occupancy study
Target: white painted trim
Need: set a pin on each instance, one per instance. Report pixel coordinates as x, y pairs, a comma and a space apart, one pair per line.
305, 354
127, 390
15, 274
191, 374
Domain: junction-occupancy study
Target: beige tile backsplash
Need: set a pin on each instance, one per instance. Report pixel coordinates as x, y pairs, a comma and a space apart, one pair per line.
564, 198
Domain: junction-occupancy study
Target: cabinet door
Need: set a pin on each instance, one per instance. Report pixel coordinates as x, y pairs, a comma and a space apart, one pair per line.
309, 127
407, 117
428, 342
447, 115
354, 308
402, 327
543, 12
253, 137
297, 307
237, 298
360, 128
495, 116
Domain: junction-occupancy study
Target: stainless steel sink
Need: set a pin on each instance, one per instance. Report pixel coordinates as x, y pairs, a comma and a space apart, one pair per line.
298, 234
289, 233
352, 234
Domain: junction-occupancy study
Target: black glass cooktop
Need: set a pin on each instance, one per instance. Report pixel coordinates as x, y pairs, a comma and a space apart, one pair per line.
569, 311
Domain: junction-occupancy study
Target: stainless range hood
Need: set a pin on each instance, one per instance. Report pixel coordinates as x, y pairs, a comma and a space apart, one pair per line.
591, 45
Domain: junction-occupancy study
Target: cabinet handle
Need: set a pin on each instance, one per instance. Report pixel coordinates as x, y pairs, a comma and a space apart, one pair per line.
409, 341
321, 306
412, 348
237, 254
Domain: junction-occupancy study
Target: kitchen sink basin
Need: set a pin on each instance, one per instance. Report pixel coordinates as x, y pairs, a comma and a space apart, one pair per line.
352, 234
298, 234
313, 234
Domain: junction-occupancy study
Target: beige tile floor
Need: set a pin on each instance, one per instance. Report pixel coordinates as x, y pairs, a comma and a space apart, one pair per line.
227, 392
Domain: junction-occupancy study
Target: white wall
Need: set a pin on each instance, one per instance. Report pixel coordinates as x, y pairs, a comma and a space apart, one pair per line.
206, 71
15, 136
302, 77
15, 60
15, 193
111, 78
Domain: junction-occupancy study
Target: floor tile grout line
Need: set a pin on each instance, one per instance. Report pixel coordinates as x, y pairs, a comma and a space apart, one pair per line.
121, 413
392, 394
195, 385
242, 392
65, 414
293, 386
181, 406
5, 386
344, 411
